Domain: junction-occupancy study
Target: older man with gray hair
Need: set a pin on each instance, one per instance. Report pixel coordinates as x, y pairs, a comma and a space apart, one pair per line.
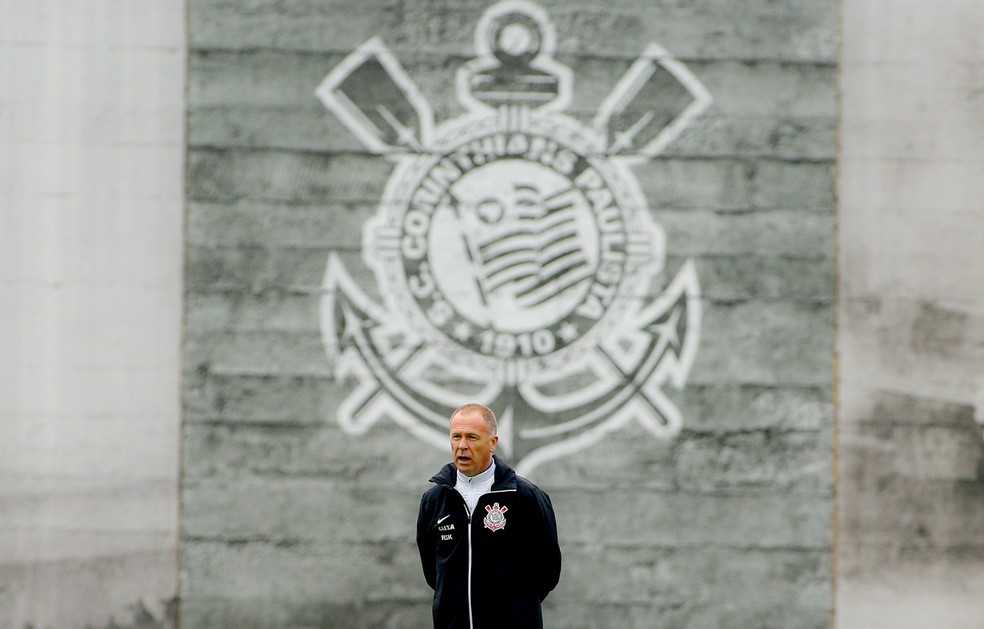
487, 537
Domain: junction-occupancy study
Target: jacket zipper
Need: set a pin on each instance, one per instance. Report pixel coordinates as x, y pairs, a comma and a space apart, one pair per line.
471, 621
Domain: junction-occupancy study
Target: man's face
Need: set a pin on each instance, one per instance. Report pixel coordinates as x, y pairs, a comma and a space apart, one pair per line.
471, 443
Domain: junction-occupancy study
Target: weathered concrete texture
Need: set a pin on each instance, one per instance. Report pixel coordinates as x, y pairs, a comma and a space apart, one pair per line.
910, 337
289, 520
91, 197
647, 586
125, 590
797, 30
912, 512
926, 478
796, 122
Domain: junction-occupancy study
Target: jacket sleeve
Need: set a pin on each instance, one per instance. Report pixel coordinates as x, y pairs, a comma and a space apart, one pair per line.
546, 546
425, 543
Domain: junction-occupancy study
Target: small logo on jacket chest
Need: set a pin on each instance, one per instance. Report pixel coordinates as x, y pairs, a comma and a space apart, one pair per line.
445, 532
495, 518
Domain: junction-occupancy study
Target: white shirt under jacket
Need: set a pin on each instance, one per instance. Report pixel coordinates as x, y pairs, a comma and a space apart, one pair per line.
474, 487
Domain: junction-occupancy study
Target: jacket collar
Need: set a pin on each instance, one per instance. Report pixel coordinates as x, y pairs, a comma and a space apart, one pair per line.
505, 476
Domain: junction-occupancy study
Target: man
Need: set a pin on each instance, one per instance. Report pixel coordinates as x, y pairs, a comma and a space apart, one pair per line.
487, 537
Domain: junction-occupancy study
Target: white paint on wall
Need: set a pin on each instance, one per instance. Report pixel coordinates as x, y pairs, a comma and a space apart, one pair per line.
911, 230
910, 186
91, 197
513, 245
979, 406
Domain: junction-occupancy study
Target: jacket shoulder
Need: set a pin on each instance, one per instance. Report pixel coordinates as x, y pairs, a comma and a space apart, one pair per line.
531, 490
525, 484
438, 483
431, 493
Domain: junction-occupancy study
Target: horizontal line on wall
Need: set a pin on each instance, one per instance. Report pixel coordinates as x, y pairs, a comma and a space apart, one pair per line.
662, 157
465, 56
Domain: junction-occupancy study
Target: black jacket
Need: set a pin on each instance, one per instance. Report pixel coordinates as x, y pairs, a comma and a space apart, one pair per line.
514, 559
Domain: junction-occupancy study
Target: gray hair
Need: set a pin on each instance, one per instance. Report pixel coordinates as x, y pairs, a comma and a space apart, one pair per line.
482, 410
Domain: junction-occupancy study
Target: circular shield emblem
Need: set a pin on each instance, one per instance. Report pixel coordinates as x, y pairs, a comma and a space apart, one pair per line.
514, 242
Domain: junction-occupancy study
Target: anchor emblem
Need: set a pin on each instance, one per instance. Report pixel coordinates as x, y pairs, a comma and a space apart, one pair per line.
513, 248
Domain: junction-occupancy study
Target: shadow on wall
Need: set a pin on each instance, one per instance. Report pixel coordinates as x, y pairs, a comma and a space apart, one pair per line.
139, 617
911, 470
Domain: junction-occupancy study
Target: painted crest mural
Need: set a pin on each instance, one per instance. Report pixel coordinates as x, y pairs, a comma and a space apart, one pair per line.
517, 259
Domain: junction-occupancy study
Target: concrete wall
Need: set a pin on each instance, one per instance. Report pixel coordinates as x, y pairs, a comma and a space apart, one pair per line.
302, 475
91, 196
911, 316
290, 518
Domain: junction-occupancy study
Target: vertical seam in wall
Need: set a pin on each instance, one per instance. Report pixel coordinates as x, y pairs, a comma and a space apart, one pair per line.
182, 392
835, 397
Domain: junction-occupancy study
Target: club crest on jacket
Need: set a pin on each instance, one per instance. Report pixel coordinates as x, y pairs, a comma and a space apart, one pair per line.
495, 519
